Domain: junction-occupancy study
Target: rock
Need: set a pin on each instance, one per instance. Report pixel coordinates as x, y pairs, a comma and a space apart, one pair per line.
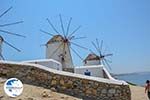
70, 82
118, 91
109, 95
85, 81
45, 94
30, 99
1, 96
63, 87
66, 98
62, 97
53, 89
2, 80
88, 92
62, 82
96, 85
112, 91
54, 82
104, 91
4, 71
94, 92
49, 96
54, 77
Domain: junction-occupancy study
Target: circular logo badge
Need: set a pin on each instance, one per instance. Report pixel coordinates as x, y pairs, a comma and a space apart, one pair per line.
13, 87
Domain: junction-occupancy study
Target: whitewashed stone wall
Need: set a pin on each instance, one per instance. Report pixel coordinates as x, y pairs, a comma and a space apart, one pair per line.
85, 87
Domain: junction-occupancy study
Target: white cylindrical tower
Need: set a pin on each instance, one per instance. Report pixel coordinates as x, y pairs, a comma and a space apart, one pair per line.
92, 59
58, 49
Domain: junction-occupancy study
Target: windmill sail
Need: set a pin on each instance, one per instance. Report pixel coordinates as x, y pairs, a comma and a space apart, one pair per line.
2, 41
99, 57
59, 47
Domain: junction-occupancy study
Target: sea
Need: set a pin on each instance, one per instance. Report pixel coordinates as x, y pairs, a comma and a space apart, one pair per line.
135, 78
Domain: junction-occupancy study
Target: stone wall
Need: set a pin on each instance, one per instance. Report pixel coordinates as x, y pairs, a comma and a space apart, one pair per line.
76, 85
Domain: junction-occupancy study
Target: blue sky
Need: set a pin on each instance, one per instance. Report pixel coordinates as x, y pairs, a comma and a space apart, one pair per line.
124, 25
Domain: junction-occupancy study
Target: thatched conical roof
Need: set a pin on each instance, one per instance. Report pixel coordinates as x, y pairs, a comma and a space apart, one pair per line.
92, 57
56, 38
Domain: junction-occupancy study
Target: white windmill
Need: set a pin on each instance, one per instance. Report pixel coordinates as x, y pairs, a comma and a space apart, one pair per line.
98, 58
59, 46
2, 40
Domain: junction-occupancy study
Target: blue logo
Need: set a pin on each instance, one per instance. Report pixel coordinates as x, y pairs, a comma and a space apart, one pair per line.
13, 87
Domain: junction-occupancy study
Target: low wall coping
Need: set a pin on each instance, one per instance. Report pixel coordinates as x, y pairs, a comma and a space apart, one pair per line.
118, 82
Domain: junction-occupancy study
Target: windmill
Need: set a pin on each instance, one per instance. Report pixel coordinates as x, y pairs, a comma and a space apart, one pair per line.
2, 40
60, 45
99, 57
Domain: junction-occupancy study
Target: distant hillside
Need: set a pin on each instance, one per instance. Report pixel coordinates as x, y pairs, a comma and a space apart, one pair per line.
138, 78
134, 73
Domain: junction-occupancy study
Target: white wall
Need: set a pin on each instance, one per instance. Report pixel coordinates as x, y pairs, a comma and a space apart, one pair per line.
92, 62
50, 63
96, 71
54, 50
51, 52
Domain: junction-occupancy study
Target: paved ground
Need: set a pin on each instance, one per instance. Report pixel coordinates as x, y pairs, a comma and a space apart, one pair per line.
138, 93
